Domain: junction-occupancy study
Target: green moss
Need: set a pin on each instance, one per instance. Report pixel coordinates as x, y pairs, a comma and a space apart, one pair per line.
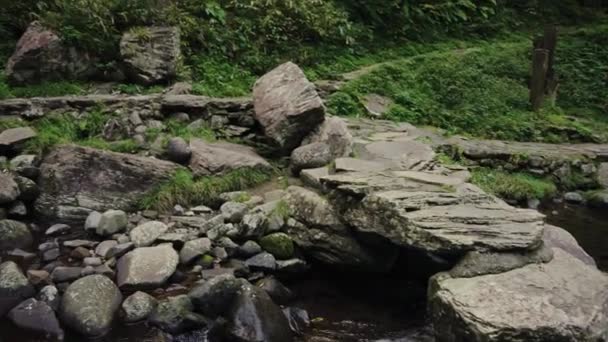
278, 244
206, 261
242, 197
282, 210
513, 186
185, 190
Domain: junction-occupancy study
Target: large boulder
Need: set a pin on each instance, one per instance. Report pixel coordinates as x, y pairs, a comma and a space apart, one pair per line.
89, 305
175, 315
14, 234
14, 287
287, 106
147, 267
41, 55
9, 189
555, 237
221, 157
316, 228
151, 54
563, 300
76, 180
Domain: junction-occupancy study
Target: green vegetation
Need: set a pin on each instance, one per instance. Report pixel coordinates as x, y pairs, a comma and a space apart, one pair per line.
186, 190
278, 244
482, 90
85, 130
513, 186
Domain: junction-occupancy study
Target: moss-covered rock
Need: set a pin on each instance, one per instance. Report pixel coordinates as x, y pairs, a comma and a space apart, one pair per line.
278, 244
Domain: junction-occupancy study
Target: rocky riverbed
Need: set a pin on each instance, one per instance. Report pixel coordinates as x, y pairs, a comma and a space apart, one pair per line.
377, 239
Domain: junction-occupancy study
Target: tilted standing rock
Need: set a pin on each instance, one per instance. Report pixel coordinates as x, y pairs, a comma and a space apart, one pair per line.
287, 106
151, 54
41, 55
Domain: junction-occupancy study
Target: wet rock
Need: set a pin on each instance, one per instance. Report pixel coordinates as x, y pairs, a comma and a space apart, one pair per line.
14, 287
28, 189
80, 253
89, 305
112, 181
278, 244
51, 254
178, 150
234, 212
38, 277
221, 157
50, 295
14, 234
105, 270
58, 229
574, 197
477, 263
194, 249
298, 319
104, 247
522, 304
255, 317
287, 106
249, 249
94, 262
292, 266
65, 274
178, 240
36, 317
154, 59
17, 210
138, 307
41, 55
119, 250
310, 156
175, 315
276, 290
219, 253
144, 235
48, 245
9, 190
201, 209
229, 246
26, 165
20, 256
147, 267
213, 298
112, 222
80, 243
92, 221
263, 262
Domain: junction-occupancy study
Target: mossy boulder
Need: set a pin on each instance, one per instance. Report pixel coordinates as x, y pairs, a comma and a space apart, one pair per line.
278, 244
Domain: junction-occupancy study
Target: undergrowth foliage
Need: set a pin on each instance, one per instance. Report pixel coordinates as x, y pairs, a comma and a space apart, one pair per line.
186, 190
513, 186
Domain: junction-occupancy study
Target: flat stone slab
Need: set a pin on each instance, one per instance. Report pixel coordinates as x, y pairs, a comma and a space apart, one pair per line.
563, 300
221, 157
436, 213
495, 149
147, 267
13, 136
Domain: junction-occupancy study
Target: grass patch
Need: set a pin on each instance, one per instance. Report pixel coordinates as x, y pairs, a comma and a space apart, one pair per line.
85, 130
215, 77
480, 89
513, 186
184, 189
